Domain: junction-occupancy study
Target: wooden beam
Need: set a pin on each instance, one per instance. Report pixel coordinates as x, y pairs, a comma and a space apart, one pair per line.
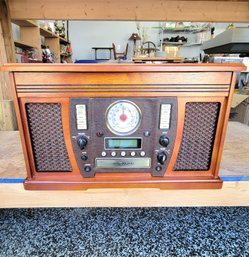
6, 33
150, 10
7, 115
7, 54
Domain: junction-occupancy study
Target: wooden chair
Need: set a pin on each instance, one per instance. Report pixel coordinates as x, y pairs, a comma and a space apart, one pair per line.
119, 56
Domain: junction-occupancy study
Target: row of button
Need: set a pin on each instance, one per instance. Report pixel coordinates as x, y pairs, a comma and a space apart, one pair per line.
123, 153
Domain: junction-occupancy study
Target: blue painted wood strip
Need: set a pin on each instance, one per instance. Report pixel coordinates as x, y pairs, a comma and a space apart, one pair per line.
234, 178
224, 178
11, 180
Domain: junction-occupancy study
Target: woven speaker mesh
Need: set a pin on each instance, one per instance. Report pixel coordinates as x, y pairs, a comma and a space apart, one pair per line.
45, 127
198, 136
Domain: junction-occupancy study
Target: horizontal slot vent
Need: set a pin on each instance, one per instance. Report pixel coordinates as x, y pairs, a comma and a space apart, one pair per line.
122, 88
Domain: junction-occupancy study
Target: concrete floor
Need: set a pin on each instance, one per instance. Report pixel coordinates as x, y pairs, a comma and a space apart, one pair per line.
121, 232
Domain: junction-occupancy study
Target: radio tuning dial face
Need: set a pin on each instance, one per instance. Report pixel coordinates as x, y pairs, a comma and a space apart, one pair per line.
123, 117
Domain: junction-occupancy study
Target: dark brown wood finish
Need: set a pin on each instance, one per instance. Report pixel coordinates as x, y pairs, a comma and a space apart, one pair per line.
190, 83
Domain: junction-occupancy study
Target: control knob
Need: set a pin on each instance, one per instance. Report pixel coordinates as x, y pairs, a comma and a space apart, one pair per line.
163, 141
161, 157
82, 142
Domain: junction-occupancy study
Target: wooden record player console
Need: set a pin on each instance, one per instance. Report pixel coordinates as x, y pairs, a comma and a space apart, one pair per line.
122, 125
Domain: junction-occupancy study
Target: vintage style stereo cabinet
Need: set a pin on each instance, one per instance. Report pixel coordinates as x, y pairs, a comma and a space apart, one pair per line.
122, 125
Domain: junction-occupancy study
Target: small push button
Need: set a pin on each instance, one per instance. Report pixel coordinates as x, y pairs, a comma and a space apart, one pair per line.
103, 154
133, 153
123, 153
87, 169
146, 133
142, 153
113, 154
158, 168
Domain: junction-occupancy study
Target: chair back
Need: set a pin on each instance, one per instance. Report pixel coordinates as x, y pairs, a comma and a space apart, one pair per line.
121, 55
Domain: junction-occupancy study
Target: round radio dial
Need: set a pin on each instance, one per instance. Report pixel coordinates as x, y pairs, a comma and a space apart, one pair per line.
123, 117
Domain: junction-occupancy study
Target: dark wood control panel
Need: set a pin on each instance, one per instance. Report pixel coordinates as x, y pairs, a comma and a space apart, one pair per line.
148, 149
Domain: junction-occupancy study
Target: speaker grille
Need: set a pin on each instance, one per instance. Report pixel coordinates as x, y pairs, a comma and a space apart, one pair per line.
198, 136
45, 127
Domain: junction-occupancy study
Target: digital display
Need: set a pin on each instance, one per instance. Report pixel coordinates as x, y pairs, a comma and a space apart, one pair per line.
123, 143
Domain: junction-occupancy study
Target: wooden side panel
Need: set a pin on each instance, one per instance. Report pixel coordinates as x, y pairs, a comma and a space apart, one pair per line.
191, 10
224, 128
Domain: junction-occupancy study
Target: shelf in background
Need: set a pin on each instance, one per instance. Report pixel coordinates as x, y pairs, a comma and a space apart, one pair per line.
47, 33
30, 38
181, 44
23, 45
63, 40
25, 23
186, 30
173, 43
192, 44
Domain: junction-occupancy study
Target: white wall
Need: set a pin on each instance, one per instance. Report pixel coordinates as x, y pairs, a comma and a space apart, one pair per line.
87, 34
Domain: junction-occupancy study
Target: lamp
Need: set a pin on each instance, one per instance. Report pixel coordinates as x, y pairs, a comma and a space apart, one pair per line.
134, 37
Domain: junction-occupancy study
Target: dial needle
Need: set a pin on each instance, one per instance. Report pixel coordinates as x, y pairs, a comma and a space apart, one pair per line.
123, 117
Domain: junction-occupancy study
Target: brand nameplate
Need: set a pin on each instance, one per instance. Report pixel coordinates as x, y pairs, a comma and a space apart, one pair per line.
123, 163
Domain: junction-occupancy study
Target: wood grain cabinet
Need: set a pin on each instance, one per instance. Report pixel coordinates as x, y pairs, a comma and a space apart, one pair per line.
126, 125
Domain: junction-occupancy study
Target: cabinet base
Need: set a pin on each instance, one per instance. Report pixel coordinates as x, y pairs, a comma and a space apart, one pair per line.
155, 183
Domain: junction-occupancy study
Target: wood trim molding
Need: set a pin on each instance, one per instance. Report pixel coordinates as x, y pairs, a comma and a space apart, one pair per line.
113, 67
